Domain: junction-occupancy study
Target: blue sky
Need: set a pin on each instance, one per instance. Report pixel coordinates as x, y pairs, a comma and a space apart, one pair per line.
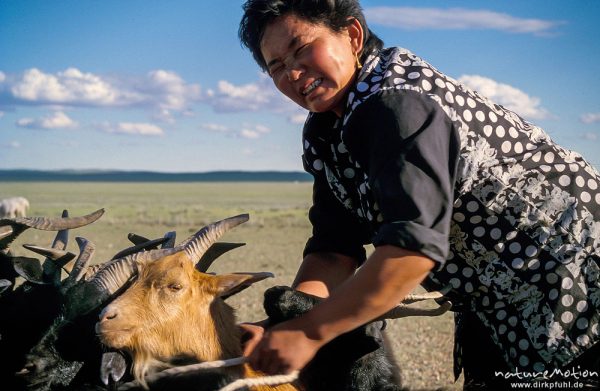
166, 86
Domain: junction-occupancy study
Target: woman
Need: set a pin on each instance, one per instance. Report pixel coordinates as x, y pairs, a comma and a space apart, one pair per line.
450, 188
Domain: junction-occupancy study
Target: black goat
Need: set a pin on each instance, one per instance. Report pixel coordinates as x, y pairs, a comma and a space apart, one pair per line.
355, 361
31, 308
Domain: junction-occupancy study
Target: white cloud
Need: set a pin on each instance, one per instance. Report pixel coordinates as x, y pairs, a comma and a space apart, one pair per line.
250, 134
299, 118
215, 127
253, 131
590, 118
71, 87
589, 136
507, 96
247, 97
414, 18
258, 96
2, 77
58, 120
136, 128
1, 114
163, 92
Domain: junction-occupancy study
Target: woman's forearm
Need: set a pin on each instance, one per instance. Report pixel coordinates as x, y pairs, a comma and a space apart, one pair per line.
385, 279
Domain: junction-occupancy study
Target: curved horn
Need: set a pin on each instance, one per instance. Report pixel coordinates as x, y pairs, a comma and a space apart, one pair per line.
62, 237
402, 311
214, 252
136, 239
28, 268
5, 231
170, 236
4, 285
54, 224
86, 250
110, 278
148, 245
19, 224
60, 257
196, 245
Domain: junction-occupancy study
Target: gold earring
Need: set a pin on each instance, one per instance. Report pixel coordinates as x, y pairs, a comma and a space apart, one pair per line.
358, 64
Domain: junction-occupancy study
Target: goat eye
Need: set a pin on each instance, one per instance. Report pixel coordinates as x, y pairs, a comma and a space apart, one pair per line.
175, 287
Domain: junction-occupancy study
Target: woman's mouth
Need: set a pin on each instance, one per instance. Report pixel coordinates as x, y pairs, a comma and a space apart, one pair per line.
311, 87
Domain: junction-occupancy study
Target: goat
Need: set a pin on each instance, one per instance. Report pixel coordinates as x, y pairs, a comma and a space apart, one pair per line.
30, 309
14, 207
355, 361
49, 366
69, 356
174, 312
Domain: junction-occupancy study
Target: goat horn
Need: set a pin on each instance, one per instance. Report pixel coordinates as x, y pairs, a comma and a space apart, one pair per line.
170, 243
86, 250
214, 252
115, 275
51, 268
54, 224
109, 279
19, 224
28, 268
62, 237
4, 285
112, 367
422, 297
51, 253
136, 239
5, 231
196, 245
148, 245
56, 257
403, 310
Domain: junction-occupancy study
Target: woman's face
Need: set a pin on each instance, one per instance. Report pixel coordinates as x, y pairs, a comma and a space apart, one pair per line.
311, 64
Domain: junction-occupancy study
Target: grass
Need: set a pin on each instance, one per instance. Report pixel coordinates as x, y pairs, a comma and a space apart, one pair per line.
275, 237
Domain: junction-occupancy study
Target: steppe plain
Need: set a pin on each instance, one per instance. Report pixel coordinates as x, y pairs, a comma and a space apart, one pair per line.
274, 237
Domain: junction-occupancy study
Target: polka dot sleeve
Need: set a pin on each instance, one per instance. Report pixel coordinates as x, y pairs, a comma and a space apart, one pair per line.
410, 151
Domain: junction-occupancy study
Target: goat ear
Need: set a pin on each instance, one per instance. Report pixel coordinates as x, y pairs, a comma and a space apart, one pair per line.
230, 284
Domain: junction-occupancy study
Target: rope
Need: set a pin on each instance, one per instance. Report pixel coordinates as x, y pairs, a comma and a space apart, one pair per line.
261, 381
249, 382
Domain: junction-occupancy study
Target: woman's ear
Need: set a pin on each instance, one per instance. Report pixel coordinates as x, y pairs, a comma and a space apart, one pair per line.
355, 31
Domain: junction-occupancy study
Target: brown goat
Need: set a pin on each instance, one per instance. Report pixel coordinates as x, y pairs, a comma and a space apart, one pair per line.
173, 312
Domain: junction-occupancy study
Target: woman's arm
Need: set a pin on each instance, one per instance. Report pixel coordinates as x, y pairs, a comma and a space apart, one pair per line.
385, 279
320, 273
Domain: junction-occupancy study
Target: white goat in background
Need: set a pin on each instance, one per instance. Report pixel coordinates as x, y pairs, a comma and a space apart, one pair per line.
13, 207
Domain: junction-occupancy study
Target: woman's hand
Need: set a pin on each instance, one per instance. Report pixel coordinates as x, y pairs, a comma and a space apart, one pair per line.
283, 349
252, 333
384, 280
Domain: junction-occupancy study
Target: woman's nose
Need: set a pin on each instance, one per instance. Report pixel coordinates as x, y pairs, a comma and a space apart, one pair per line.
293, 73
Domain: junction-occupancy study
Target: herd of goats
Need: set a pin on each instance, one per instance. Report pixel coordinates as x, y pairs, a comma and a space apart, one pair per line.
145, 318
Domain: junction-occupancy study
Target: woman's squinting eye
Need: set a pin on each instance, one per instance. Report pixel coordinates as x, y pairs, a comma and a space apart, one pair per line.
275, 69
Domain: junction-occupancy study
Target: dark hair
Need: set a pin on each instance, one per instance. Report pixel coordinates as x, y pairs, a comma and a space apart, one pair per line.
335, 14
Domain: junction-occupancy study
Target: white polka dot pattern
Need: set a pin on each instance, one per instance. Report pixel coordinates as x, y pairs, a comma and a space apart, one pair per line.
525, 218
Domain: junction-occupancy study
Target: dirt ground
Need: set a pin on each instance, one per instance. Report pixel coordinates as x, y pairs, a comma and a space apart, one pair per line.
275, 237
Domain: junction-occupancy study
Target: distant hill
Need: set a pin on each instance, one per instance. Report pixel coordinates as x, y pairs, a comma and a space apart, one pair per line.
150, 176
